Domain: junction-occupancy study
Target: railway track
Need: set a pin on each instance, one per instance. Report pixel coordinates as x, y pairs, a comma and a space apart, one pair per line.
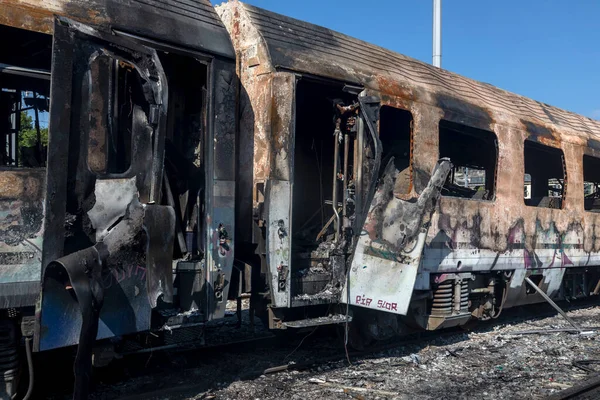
587, 390
259, 357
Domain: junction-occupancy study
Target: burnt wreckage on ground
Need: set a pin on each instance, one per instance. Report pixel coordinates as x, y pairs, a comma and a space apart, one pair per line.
363, 188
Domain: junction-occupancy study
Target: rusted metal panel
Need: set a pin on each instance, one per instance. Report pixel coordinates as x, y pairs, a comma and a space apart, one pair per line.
192, 23
255, 108
281, 142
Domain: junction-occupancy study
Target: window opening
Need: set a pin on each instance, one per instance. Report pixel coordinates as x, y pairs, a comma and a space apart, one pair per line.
474, 154
545, 167
591, 183
24, 97
395, 133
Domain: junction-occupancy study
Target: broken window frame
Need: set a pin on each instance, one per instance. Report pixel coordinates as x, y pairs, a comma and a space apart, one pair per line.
14, 153
386, 157
586, 159
549, 149
493, 185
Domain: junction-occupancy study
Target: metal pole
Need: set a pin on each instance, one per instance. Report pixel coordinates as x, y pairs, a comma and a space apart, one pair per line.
37, 129
437, 33
553, 304
345, 185
334, 198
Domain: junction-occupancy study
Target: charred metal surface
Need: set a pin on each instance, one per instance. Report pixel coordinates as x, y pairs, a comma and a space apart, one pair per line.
70, 192
369, 108
388, 254
220, 209
62, 60
159, 225
81, 272
460, 111
102, 212
225, 97
192, 24
109, 209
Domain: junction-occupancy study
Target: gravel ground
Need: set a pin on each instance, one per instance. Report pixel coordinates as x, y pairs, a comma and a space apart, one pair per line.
493, 364
493, 361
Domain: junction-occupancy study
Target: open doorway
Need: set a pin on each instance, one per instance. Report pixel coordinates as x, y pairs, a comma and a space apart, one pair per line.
313, 195
184, 187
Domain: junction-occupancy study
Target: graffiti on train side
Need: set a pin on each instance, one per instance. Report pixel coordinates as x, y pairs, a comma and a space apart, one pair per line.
382, 304
381, 250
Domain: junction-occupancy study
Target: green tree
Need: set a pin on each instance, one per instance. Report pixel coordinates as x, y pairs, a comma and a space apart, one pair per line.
28, 133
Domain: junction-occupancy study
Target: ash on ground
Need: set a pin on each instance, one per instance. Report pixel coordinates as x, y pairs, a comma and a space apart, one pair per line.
493, 361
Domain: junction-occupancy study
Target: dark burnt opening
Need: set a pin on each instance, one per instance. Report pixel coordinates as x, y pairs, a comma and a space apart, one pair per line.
544, 175
313, 183
395, 133
591, 183
184, 149
24, 97
113, 89
474, 155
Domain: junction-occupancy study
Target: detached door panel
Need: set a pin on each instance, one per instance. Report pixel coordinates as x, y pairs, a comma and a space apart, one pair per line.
104, 174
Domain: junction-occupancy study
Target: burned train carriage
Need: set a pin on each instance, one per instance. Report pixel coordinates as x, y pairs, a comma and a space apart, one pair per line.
368, 178
349, 175
119, 218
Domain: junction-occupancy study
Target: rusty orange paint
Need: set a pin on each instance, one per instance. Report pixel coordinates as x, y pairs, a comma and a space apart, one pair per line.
38, 15
21, 184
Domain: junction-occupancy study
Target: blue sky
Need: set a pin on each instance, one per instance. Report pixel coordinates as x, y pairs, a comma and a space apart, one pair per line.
547, 50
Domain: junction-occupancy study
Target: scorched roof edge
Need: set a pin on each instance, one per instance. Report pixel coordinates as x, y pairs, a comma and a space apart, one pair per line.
304, 47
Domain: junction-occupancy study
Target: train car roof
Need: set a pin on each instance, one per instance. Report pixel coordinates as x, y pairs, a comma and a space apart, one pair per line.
300, 46
186, 23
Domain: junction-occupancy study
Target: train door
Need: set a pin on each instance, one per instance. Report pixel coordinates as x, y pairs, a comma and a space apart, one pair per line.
393, 227
140, 188
108, 241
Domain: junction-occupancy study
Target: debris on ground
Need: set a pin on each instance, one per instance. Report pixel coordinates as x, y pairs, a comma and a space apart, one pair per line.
493, 361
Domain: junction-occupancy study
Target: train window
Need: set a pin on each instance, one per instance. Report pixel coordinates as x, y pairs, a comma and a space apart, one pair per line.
24, 98
395, 133
474, 154
545, 168
591, 183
